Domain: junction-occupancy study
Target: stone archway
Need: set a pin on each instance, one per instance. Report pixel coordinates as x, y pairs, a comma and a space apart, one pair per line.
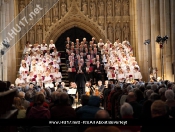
75, 18
73, 33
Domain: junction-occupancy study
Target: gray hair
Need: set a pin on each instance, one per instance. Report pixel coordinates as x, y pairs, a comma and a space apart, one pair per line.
126, 109
162, 90
169, 94
149, 92
21, 94
154, 87
53, 95
129, 88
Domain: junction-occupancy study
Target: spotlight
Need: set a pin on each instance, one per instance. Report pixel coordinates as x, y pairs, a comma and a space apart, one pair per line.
147, 41
165, 38
158, 39
6, 44
2, 52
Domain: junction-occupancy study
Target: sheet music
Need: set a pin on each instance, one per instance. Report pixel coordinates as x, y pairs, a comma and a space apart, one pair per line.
72, 91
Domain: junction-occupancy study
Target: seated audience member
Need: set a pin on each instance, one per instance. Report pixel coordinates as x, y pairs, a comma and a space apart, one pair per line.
162, 94
24, 102
21, 109
38, 111
137, 108
170, 102
89, 111
126, 112
158, 110
63, 110
102, 129
84, 101
53, 99
102, 114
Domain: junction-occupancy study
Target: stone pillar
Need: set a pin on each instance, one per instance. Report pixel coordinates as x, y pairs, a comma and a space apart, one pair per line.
139, 34
152, 15
146, 35
172, 38
156, 33
168, 54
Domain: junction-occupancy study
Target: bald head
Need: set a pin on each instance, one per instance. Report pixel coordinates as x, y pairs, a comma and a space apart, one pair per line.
131, 97
102, 114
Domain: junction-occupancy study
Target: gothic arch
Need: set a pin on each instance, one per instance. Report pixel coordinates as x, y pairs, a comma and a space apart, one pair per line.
60, 27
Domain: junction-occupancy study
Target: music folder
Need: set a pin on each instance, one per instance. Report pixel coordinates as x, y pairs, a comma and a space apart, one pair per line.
72, 91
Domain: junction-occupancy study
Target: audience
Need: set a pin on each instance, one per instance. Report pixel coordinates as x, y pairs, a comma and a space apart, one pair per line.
63, 109
38, 111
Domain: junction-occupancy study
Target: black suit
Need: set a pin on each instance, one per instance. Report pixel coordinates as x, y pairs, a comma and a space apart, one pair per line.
80, 80
66, 42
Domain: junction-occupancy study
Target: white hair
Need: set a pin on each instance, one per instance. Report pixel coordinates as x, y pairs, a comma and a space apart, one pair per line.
21, 94
126, 110
169, 94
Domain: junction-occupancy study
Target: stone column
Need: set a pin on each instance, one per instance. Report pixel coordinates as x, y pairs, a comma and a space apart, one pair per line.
172, 36
156, 33
168, 54
153, 52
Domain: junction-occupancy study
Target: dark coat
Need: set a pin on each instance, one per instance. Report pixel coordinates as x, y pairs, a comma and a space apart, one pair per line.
62, 112
80, 80
89, 111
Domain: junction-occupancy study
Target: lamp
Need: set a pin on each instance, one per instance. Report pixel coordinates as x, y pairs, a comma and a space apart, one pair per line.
6, 44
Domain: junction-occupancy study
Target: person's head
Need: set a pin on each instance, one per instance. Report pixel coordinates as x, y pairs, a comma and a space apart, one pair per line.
68, 39
158, 108
154, 87
17, 103
126, 110
53, 96
102, 114
131, 97
154, 96
64, 99
169, 94
39, 100
21, 95
51, 41
148, 93
84, 99
162, 91
99, 83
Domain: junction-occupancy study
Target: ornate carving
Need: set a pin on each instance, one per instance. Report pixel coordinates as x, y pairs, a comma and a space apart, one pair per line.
126, 32
117, 8
109, 8
21, 7
101, 8
39, 34
63, 8
126, 8
47, 15
32, 36
55, 10
110, 32
93, 9
118, 32
84, 7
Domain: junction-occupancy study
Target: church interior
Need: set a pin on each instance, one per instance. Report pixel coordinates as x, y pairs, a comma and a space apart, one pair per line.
86, 60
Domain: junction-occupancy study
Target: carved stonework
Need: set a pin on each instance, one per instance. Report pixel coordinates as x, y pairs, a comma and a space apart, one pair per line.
118, 32
126, 32
117, 8
84, 7
63, 9
101, 8
110, 32
93, 10
126, 7
103, 15
109, 8
39, 34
